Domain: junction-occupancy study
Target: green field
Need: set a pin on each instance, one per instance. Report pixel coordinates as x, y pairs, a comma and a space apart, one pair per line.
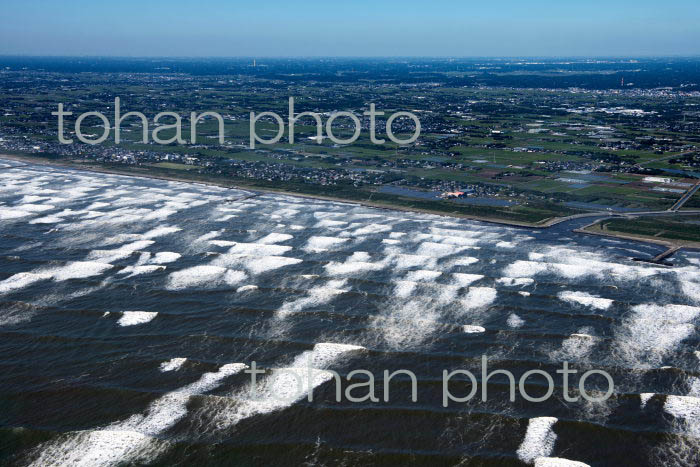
677, 229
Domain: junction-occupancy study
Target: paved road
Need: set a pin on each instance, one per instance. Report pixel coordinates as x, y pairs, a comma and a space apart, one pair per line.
682, 154
559, 220
688, 194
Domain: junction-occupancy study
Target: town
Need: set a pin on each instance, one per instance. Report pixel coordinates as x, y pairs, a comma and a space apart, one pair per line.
522, 154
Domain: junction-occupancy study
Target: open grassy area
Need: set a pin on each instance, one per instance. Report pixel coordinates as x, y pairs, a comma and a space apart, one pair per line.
173, 165
678, 229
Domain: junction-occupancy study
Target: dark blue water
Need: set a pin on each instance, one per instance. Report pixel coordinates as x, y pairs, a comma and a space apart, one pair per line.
129, 307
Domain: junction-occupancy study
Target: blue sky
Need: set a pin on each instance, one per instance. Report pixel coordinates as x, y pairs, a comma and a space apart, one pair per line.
351, 28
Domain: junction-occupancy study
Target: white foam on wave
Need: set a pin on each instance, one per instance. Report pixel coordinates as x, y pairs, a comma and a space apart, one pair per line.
246, 288
479, 297
101, 448
464, 233
122, 252
70, 213
686, 410
577, 346
575, 264
212, 380
173, 364
275, 238
204, 276
26, 199
97, 205
524, 269
120, 238
284, 212
585, 299
468, 243
473, 329
255, 264
133, 318
164, 257
115, 217
438, 250
9, 214
652, 331
447, 293
140, 270
539, 439
314, 297
353, 265
423, 275
131, 441
281, 387
514, 321
317, 244
323, 355
160, 232
47, 220
369, 229
160, 214
329, 223
465, 261
406, 261
558, 462
404, 289
454, 242
406, 323
222, 243
77, 270
644, 399
21, 280
35, 207
92, 215
208, 236
258, 249
692, 290
465, 280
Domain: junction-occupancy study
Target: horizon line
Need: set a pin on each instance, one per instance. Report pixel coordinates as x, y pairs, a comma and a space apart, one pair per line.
298, 57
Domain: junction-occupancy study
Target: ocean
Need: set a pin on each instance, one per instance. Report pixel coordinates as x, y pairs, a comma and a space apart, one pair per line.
131, 308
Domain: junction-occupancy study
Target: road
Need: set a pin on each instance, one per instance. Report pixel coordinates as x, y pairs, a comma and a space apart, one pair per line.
667, 212
688, 194
672, 156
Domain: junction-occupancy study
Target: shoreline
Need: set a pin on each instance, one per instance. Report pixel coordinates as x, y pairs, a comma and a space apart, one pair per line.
257, 191
37, 160
685, 244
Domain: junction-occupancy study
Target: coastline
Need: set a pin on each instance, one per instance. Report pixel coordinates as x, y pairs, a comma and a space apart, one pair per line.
256, 191
37, 160
688, 245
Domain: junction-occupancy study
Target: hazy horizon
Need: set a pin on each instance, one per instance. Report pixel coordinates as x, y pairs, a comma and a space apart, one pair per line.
217, 29
360, 57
